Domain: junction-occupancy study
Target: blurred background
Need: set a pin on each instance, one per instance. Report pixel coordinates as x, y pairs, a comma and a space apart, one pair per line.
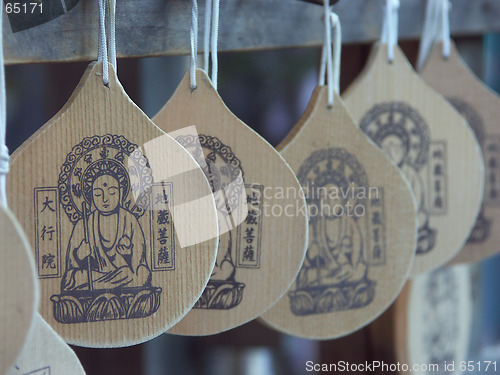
268, 90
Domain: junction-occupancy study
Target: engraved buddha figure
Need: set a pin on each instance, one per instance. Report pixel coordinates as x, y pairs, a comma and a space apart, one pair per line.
334, 275
109, 237
403, 135
395, 148
224, 268
225, 175
335, 254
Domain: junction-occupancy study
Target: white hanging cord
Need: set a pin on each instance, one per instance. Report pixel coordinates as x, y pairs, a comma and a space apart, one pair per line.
211, 37
445, 27
429, 32
107, 26
326, 49
215, 38
337, 50
206, 35
4, 152
102, 54
194, 43
390, 28
112, 32
330, 56
436, 27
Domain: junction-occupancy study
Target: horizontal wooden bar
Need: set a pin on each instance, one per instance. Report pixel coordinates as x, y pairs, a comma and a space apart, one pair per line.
161, 27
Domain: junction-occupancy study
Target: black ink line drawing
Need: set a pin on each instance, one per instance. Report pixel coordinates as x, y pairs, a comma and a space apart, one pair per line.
405, 138
41, 371
225, 174
437, 179
482, 227
334, 276
162, 227
106, 273
492, 161
47, 229
249, 232
441, 316
376, 240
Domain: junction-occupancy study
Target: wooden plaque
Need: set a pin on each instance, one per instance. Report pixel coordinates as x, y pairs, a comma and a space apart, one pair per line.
428, 329
481, 108
19, 290
46, 353
432, 145
101, 182
262, 216
362, 226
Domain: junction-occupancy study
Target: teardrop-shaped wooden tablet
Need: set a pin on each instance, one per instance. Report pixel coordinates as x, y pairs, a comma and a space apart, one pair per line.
262, 215
430, 324
481, 108
121, 218
362, 226
432, 145
19, 291
439, 317
46, 353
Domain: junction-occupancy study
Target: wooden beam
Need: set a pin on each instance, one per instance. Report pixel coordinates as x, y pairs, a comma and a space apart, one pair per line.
161, 27
321, 2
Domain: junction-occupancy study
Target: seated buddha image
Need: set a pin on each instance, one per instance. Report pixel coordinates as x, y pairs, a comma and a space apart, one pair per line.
396, 149
404, 136
106, 274
115, 246
334, 275
224, 268
336, 254
223, 290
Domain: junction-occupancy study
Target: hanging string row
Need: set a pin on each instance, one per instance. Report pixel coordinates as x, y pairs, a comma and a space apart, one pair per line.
390, 28
331, 53
4, 151
193, 32
211, 37
107, 30
436, 27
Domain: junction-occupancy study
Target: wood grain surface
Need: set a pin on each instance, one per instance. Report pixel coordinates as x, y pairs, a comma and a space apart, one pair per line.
19, 290
480, 106
430, 324
260, 250
158, 27
101, 180
46, 353
357, 260
433, 146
